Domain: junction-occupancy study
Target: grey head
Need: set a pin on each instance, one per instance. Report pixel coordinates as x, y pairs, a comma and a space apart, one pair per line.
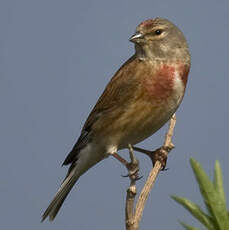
159, 38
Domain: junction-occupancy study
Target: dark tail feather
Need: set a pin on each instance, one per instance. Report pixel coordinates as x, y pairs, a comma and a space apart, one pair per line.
60, 196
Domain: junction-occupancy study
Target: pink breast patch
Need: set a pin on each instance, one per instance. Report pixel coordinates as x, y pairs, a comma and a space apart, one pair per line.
160, 84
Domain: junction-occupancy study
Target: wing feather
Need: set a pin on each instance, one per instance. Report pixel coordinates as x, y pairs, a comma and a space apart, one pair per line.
114, 95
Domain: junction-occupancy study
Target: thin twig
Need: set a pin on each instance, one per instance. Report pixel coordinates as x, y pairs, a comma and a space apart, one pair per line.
130, 197
169, 134
131, 193
132, 221
167, 147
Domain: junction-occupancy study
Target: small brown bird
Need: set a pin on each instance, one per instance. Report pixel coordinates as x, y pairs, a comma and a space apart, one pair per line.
141, 97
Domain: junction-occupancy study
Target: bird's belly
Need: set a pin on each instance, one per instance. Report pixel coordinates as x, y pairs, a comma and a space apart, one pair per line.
144, 128
146, 118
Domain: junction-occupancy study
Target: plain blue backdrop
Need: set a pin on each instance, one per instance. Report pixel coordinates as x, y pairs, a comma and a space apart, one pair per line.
56, 57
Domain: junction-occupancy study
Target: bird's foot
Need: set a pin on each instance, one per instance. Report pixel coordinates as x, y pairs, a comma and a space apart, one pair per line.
133, 166
160, 154
133, 171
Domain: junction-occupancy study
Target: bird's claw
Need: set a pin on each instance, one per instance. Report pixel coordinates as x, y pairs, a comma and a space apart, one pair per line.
133, 171
166, 169
161, 156
134, 178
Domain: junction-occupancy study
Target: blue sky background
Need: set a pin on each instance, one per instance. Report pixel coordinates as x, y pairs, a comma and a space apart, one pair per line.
56, 57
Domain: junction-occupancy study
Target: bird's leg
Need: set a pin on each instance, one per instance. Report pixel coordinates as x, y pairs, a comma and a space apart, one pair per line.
132, 166
159, 154
120, 159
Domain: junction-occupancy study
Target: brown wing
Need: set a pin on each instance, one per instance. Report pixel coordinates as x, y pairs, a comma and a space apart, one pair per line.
116, 97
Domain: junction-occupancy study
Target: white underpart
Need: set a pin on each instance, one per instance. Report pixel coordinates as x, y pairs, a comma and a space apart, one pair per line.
178, 88
91, 155
112, 149
88, 156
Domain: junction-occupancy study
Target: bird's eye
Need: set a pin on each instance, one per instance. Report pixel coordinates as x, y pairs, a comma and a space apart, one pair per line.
158, 32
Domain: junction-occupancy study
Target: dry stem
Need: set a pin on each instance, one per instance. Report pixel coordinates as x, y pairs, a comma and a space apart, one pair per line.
133, 217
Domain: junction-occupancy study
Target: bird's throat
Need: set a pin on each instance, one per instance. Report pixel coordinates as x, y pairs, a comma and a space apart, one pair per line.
146, 52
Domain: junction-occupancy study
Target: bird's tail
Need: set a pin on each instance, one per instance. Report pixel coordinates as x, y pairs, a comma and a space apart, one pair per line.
61, 194
86, 158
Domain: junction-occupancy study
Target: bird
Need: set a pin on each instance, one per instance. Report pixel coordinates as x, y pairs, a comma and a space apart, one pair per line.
139, 99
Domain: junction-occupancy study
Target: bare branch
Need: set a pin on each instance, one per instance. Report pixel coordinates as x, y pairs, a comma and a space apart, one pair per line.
133, 218
130, 197
131, 191
145, 193
166, 148
169, 134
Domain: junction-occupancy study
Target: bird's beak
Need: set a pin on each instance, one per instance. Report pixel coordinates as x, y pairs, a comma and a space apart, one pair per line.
135, 38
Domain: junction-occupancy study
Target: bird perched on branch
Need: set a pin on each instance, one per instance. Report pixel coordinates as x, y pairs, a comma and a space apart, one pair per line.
140, 98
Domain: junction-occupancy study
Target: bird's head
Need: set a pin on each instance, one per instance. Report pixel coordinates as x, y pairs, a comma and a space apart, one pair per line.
159, 38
